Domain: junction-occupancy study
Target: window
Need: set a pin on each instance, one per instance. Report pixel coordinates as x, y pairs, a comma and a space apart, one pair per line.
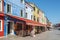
21, 13
19, 26
42, 20
0, 5
8, 8
26, 15
34, 8
21, 1
26, 27
0, 25
31, 17
38, 11
38, 20
34, 18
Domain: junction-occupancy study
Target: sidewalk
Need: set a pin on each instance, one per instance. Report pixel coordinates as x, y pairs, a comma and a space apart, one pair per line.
48, 35
13, 37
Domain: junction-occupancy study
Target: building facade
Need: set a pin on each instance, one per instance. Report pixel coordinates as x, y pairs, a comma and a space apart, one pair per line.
16, 8
18, 17
35, 12
49, 24
1, 18
29, 11
12, 13
41, 20
37, 16
28, 17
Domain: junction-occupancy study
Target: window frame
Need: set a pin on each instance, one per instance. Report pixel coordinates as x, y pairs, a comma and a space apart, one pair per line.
34, 18
31, 17
34, 8
38, 19
22, 1
1, 25
21, 13
38, 11
11, 9
1, 6
26, 15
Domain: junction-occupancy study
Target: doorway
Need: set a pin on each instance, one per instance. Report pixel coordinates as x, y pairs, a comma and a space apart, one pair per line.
19, 29
10, 28
42, 28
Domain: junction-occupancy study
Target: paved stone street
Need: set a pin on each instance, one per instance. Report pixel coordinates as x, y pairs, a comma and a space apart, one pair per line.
48, 35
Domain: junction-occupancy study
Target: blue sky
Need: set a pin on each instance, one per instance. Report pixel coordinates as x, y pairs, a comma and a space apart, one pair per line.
51, 9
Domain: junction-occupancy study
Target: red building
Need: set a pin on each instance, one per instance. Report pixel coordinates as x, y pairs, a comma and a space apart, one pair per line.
1, 18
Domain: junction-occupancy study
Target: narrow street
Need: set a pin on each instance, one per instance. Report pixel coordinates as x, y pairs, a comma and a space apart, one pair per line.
48, 35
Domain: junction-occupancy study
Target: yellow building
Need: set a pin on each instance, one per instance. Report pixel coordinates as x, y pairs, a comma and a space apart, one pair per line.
38, 15
35, 12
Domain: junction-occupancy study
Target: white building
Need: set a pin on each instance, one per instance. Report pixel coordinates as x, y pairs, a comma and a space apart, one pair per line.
29, 11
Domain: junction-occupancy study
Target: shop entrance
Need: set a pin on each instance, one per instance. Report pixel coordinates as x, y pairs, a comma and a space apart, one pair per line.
28, 29
19, 29
42, 29
10, 28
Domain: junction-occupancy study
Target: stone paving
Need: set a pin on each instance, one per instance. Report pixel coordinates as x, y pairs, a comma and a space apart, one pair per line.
48, 35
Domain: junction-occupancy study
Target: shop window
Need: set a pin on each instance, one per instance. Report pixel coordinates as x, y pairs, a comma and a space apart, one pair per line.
19, 26
0, 25
0, 5
9, 8
27, 27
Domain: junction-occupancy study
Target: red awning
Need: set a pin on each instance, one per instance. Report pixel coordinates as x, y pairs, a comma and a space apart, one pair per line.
28, 22
1, 14
15, 17
34, 23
